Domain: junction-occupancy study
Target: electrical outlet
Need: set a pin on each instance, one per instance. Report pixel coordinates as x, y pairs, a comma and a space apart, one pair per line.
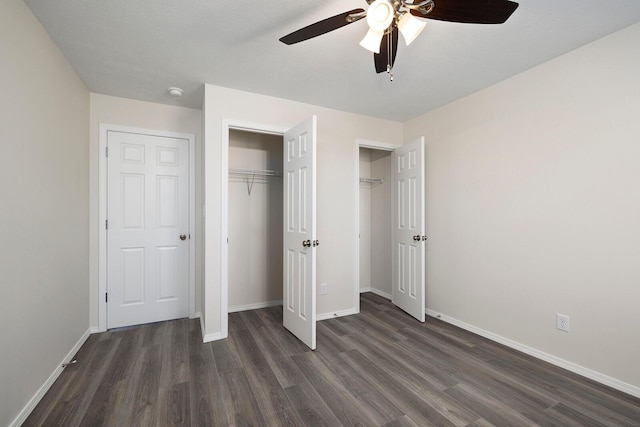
562, 322
323, 288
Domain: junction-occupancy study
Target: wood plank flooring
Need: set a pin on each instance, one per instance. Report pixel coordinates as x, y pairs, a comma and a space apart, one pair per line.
377, 368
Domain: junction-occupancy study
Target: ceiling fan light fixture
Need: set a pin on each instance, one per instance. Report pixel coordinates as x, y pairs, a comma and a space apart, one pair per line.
410, 27
372, 40
380, 15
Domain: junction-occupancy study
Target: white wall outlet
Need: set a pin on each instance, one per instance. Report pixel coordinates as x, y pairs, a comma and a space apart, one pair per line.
562, 322
323, 288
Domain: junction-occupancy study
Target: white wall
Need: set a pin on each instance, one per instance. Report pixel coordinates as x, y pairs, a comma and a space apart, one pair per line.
127, 112
381, 251
255, 221
365, 220
375, 222
44, 196
533, 207
337, 132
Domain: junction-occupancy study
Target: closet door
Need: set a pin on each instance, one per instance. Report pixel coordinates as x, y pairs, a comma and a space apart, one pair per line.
408, 234
299, 293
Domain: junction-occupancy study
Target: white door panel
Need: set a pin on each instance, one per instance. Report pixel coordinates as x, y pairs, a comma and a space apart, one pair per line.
409, 229
299, 293
148, 200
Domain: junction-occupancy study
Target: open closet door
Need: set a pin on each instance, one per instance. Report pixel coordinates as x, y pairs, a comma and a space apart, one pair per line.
408, 234
299, 293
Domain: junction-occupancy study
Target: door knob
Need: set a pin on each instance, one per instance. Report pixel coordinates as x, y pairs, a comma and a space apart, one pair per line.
183, 237
306, 243
416, 237
424, 238
316, 243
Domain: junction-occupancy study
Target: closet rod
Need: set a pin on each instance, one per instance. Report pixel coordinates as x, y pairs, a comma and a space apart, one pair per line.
372, 180
254, 172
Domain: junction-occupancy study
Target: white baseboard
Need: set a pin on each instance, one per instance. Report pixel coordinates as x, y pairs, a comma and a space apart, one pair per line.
208, 337
254, 306
382, 294
364, 289
22, 416
212, 337
554, 360
332, 315
95, 330
196, 315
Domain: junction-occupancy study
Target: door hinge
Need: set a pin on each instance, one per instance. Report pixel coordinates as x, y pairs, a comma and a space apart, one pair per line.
106, 151
106, 224
106, 297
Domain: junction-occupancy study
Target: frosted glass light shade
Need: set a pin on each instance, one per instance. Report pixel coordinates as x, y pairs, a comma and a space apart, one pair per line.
379, 15
410, 27
372, 40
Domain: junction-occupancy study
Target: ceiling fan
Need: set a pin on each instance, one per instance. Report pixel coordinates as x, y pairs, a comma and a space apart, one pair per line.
388, 17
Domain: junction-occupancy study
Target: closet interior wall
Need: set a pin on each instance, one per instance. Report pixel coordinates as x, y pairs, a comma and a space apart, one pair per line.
255, 221
375, 222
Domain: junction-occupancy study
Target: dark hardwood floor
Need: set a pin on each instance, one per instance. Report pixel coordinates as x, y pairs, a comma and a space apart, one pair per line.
377, 368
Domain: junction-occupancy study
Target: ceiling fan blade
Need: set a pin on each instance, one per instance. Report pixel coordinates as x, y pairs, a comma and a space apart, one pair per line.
322, 27
470, 11
382, 59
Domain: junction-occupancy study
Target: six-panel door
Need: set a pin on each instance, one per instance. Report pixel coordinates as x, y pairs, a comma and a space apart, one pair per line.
408, 235
148, 229
299, 293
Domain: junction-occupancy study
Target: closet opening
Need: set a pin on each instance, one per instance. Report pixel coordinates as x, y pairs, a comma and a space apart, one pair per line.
375, 204
255, 220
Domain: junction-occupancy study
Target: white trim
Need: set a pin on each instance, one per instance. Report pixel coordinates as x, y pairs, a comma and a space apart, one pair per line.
212, 337
554, 360
102, 214
192, 225
356, 227
375, 291
325, 316
207, 338
227, 125
382, 294
255, 306
375, 145
29, 407
202, 334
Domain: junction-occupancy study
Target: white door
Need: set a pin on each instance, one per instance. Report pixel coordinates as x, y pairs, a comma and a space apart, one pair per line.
299, 293
148, 228
409, 228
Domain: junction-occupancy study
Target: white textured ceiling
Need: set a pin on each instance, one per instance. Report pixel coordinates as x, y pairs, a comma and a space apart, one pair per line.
138, 48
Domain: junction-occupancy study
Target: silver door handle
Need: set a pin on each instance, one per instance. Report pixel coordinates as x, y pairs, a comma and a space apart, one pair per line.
424, 238
416, 237
316, 243
183, 237
306, 243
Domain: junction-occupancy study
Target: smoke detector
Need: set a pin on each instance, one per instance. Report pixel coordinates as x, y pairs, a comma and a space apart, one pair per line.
176, 91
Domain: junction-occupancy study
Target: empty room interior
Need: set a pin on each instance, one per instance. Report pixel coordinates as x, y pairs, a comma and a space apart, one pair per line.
228, 214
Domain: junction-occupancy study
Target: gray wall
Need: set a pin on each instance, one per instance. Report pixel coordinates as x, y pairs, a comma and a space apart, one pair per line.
255, 221
44, 219
533, 202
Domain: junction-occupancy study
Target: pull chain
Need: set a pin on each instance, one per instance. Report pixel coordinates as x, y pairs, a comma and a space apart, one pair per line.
389, 56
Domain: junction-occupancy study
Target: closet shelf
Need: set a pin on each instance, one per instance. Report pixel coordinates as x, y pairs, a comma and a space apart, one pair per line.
253, 172
372, 180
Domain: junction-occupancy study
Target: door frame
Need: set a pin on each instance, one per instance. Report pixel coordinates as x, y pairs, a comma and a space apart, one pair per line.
227, 125
104, 129
375, 145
